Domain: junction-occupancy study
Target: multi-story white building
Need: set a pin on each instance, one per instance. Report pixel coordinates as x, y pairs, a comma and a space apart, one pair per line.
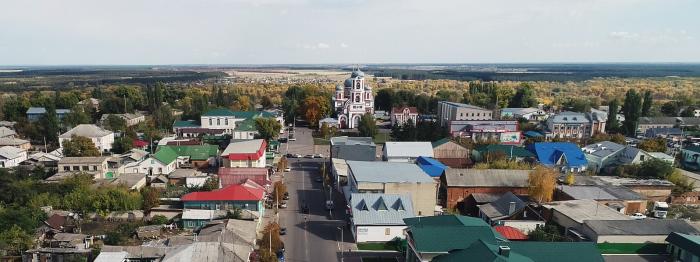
575, 125
249, 153
451, 111
353, 99
401, 115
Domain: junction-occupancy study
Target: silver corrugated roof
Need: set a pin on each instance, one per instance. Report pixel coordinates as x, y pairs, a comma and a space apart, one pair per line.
388, 172
458, 177
368, 209
640, 227
408, 149
87, 130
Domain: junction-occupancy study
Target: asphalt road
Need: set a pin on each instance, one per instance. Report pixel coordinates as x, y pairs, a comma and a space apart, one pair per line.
314, 236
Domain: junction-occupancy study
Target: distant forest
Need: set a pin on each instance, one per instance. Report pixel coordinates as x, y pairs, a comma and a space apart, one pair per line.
548, 72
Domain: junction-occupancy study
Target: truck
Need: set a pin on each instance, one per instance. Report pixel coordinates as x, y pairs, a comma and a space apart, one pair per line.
660, 209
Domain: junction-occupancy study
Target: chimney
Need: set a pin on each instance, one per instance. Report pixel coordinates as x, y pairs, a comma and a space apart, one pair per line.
511, 208
504, 251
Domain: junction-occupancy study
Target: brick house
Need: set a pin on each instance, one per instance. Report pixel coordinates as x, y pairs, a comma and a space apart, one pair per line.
458, 184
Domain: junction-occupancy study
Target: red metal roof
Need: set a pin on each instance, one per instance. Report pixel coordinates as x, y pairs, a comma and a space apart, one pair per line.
399, 110
250, 156
140, 143
238, 175
510, 233
243, 192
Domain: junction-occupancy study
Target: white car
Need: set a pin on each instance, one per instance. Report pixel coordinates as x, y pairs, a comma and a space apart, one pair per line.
638, 216
287, 169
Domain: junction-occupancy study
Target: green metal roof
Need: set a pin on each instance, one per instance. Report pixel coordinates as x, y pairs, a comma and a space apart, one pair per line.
526, 251
237, 114
517, 151
165, 155
247, 125
195, 152
441, 142
445, 233
695, 149
185, 123
690, 243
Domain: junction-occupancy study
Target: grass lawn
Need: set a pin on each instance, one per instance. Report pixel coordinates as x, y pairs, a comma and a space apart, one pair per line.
381, 138
631, 248
377, 246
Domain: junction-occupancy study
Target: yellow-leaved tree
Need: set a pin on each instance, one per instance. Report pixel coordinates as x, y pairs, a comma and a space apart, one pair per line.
541, 184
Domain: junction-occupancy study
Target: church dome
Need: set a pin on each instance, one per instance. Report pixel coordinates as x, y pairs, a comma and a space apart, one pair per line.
357, 73
338, 88
348, 82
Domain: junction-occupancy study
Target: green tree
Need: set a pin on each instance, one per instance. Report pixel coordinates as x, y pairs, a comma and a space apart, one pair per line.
151, 198
655, 168
50, 126
670, 108
159, 220
688, 112
367, 126
115, 123
163, 117
646, 106
653, 145
384, 99
268, 128
266, 102
122, 144
524, 97
325, 131
79, 146
632, 111
15, 240
612, 124
78, 115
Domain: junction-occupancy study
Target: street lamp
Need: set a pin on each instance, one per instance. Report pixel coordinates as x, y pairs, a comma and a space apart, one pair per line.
341, 241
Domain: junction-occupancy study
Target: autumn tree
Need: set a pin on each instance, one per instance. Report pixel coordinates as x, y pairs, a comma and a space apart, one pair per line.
270, 243
653, 145
151, 198
367, 126
278, 191
314, 108
524, 97
541, 184
282, 164
79, 146
268, 128
570, 179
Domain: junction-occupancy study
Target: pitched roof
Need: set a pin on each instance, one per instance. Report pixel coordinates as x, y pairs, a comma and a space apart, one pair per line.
526, 251
247, 125
585, 209
165, 155
203, 214
380, 209
83, 160
237, 114
569, 118
241, 192
195, 152
600, 192
4, 132
501, 208
640, 227
510, 233
237, 175
36, 110
458, 177
449, 232
387, 172
87, 130
399, 110
185, 123
10, 152
464, 105
550, 153
485, 197
245, 150
345, 140
8, 141
442, 142
507, 150
431, 166
483, 252
408, 149
689, 243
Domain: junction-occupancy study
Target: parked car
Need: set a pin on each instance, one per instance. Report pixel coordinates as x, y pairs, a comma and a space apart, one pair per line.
283, 230
318, 179
297, 156
638, 216
282, 140
309, 156
330, 205
282, 205
318, 156
287, 169
305, 208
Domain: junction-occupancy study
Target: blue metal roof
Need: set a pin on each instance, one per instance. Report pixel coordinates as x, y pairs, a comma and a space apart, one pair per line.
431, 166
533, 134
549, 153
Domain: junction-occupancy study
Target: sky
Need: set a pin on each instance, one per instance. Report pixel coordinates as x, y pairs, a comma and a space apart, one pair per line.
157, 32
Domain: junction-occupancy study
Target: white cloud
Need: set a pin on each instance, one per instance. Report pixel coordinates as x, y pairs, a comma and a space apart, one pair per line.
344, 45
323, 46
623, 35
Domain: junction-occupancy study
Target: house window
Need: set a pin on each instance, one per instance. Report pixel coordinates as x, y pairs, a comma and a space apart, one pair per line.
66, 168
86, 168
387, 231
94, 168
641, 158
218, 121
76, 168
226, 121
210, 121
160, 170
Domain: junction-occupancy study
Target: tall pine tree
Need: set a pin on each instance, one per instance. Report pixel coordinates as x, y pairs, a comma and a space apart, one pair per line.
612, 124
646, 106
632, 109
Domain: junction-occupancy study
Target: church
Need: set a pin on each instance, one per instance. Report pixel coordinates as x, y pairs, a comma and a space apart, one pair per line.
353, 99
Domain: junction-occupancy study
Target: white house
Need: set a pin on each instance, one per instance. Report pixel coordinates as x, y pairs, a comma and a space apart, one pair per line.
406, 151
11, 156
606, 155
102, 138
162, 162
379, 217
250, 153
401, 115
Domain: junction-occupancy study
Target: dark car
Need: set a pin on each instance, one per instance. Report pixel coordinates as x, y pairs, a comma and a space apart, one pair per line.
283, 230
305, 208
318, 180
282, 140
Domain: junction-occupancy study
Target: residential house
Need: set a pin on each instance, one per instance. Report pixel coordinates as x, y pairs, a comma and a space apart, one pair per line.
693, 178
247, 196
472, 202
575, 125
47, 160
511, 210
92, 102
401, 115
451, 111
662, 156
7, 133
502, 131
339, 171
565, 156
431, 166
15, 142
98, 167
572, 214
35, 113
671, 133
130, 181
650, 189
163, 162
485, 153
11, 156
330, 122
459, 238
196, 156
102, 138
635, 231
229, 120
224, 240
239, 175
683, 247
450, 153
131, 156
620, 198
604, 156
457, 184
250, 153
379, 217
179, 176
158, 181
131, 119
666, 122
353, 148
533, 115
406, 151
196, 218
394, 178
